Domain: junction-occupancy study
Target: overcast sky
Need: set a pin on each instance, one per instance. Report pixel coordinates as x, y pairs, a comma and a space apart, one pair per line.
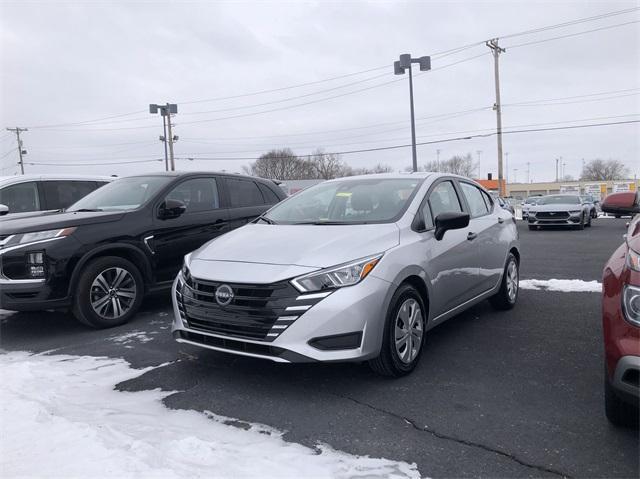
65, 63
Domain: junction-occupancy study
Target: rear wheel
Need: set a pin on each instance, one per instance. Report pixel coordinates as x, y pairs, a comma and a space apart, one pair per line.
618, 412
109, 292
403, 335
507, 295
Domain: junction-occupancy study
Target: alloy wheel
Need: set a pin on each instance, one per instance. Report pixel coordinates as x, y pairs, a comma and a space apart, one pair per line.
113, 292
512, 281
408, 331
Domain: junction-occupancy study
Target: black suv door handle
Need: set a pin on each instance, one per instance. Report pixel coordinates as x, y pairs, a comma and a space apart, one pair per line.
472, 236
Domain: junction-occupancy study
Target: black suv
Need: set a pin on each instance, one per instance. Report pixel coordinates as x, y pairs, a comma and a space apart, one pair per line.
100, 256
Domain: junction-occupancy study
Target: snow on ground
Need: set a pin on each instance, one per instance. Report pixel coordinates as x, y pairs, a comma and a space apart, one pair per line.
61, 417
128, 338
564, 285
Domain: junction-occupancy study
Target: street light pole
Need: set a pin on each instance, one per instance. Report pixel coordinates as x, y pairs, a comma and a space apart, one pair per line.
166, 111
399, 68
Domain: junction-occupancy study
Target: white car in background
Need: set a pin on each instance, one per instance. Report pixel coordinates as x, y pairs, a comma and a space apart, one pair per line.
33, 193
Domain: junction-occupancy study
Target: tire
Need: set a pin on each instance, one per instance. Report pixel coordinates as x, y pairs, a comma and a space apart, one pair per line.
392, 361
581, 225
532, 227
588, 225
619, 413
617, 216
115, 287
507, 295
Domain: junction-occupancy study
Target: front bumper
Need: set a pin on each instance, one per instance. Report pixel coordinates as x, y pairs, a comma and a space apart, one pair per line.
353, 310
28, 295
569, 221
625, 378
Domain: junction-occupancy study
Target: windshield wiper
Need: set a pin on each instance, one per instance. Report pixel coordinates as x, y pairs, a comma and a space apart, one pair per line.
269, 221
85, 210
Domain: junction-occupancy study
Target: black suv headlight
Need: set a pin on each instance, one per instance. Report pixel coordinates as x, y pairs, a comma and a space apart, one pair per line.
631, 304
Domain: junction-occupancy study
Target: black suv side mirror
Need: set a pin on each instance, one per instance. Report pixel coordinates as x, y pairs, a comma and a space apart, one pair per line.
4, 209
450, 221
171, 209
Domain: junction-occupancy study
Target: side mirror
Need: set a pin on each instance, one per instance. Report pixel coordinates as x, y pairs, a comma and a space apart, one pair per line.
171, 209
4, 209
450, 221
621, 203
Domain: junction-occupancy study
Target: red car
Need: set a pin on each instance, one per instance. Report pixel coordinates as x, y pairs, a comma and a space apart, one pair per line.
621, 318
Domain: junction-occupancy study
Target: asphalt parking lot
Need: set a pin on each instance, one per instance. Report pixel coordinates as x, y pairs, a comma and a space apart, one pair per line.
497, 394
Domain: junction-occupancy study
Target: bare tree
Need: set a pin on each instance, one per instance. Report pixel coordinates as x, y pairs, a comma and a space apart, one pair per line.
281, 164
379, 168
457, 165
328, 165
603, 170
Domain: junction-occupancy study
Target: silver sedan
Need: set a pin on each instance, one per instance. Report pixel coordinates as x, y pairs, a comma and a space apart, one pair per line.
351, 269
559, 210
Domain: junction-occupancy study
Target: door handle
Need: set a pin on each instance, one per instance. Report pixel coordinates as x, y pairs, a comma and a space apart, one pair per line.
472, 236
500, 220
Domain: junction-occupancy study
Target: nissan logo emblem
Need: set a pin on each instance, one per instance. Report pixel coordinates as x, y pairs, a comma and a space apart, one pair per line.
224, 294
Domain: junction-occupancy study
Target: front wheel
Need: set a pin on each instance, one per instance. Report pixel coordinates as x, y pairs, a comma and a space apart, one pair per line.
109, 292
403, 335
507, 295
588, 225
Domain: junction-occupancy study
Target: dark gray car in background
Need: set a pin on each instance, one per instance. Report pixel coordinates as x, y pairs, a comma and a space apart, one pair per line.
559, 210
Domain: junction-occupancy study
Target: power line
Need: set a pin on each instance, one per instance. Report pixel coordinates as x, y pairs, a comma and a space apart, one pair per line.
96, 163
535, 42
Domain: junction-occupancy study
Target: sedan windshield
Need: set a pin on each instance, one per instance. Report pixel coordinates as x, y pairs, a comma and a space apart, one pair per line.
124, 194
347, 202
559, 200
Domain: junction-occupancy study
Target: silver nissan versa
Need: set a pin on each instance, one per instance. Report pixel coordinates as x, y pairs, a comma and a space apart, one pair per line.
351, 269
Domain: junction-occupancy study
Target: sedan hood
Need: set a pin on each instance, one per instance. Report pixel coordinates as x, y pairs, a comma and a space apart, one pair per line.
313, 246
558, 207
51, 221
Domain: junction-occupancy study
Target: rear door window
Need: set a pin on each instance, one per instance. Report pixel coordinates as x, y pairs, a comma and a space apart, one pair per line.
62, 194
243, 193
21, 198
270, 197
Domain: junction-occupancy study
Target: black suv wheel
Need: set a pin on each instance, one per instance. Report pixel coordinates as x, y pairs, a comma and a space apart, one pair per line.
109, 292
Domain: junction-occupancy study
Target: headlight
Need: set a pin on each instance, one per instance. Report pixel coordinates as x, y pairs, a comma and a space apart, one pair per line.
631, 304
337, 277
44, 235
633, 260
186, 274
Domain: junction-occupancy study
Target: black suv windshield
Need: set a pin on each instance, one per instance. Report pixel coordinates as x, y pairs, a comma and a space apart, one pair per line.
559, 200
359, 201
123, 194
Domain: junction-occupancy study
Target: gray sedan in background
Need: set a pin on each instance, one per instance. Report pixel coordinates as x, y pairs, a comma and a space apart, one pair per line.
559, 210
351, 269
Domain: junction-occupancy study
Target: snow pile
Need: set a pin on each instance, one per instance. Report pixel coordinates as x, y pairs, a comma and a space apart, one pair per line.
564, 285
62, 417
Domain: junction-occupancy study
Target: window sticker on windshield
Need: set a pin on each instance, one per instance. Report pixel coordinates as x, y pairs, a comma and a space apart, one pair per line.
344, 194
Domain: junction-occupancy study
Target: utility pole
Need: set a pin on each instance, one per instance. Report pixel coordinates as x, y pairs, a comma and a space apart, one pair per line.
438, 160
166, 111
528, 172
496, 50
557, 161
506, 164
399, 67
479, 152
21, 152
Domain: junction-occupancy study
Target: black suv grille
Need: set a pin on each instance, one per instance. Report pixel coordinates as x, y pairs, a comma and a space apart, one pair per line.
552, 215
252, 312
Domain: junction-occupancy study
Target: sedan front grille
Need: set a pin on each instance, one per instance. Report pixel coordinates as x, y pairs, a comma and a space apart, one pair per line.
256, 311
552, 215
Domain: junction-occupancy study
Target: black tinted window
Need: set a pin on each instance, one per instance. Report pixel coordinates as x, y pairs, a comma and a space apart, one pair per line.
475, 201
270, 197
199, 194
21, 198
443, 199
244, 193
62, 194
